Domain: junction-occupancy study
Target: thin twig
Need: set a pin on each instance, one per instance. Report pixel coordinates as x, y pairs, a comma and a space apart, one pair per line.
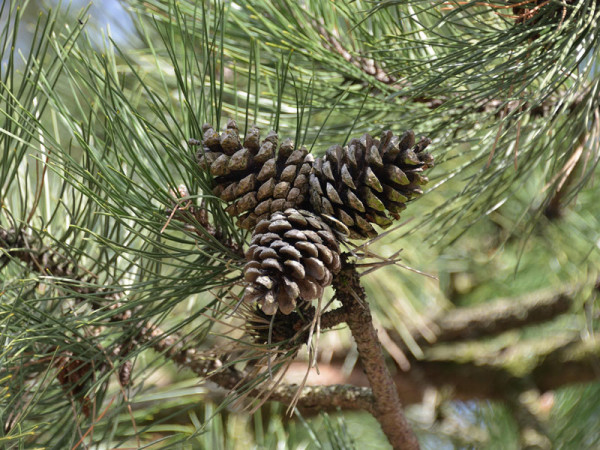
373, 68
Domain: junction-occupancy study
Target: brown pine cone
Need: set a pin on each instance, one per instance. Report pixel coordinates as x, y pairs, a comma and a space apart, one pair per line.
293, 256
257, 178
354, 186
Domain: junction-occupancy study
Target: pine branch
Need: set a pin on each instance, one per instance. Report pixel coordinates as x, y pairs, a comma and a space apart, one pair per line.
46, 261
478, 371
343, 396
494, 317
487, 375
373, 68
387, 408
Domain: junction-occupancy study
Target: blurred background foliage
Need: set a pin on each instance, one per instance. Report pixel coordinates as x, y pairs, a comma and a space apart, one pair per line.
97, 103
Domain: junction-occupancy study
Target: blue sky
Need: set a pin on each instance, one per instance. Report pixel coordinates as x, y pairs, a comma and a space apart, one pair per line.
102, 13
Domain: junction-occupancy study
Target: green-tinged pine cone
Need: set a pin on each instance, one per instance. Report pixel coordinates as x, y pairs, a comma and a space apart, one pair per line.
257, 177
292, 257
368, 181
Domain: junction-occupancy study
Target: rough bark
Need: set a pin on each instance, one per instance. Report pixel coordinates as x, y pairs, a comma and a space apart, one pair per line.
387, 407
478, 373
343, 396
495, 317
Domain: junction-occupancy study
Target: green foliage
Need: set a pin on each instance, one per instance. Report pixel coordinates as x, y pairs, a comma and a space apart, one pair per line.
462, 73
93, 148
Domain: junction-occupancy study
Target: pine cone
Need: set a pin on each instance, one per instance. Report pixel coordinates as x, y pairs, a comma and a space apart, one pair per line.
255, 177
354, 186
293, 256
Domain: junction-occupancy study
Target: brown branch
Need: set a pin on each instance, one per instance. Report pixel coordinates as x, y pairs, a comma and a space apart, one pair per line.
211, 368
337, 396
478, 372
472, 372
387, 407
474, 380
495, 317
45, 260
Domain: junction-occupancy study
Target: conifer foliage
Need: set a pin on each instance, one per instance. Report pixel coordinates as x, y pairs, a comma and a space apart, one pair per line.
134, 267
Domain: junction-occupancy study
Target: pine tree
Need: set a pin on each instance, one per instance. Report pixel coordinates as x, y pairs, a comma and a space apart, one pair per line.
221, 201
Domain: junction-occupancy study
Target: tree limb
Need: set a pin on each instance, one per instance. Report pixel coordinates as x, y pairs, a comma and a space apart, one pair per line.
343, 396
495, 317
477, 372
387, 408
